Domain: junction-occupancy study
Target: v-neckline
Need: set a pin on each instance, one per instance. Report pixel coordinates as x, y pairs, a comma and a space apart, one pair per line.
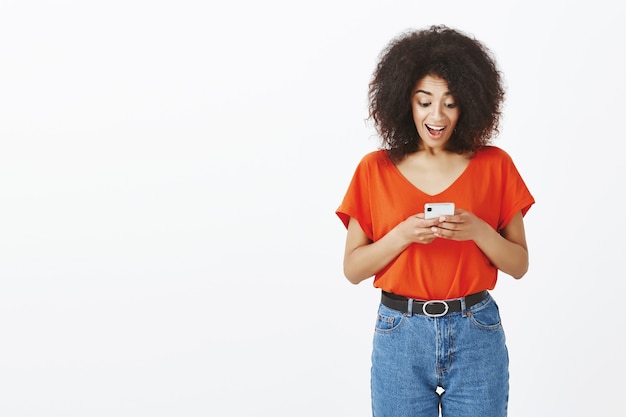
448, 187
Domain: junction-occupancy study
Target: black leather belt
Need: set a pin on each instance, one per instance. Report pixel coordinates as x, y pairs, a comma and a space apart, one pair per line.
432, 308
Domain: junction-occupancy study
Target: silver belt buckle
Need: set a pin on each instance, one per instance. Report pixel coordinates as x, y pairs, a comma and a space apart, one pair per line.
435, 301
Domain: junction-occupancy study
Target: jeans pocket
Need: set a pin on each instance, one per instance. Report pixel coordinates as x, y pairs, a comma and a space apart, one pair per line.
388, 320
486, 316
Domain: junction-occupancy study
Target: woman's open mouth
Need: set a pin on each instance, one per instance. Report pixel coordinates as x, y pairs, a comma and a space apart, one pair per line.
435, 131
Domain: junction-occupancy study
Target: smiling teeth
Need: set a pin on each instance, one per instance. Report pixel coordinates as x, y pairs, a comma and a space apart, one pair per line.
434, 128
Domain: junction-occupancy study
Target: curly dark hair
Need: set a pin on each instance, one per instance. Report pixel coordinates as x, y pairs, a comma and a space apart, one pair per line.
465, 63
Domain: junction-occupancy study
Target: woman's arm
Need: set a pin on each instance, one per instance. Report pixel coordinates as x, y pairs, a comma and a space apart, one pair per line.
507, 250
364, 258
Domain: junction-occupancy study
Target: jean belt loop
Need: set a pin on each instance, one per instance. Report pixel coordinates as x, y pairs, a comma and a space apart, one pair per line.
409, 307
463, 310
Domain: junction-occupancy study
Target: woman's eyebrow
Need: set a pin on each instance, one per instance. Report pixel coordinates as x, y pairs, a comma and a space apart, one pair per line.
447, 93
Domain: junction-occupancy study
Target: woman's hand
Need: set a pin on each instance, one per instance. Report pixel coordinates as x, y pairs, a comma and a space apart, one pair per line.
464, 225
416, 229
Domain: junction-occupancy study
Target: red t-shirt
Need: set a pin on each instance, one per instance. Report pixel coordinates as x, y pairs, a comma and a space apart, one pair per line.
379, 197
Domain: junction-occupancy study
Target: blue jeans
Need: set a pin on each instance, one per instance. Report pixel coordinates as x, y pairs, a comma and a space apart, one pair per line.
458, 362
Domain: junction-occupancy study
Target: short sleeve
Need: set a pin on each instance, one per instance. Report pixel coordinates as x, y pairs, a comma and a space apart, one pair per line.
516, 195
356, 202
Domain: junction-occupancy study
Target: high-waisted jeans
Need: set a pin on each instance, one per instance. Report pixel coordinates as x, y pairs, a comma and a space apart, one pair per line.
457, 363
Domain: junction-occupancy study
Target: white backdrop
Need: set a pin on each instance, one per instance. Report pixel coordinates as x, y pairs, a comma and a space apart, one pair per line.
169, 172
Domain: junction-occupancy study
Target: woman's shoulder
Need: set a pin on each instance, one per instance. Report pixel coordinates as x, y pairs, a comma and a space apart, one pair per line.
493, 153
377, 157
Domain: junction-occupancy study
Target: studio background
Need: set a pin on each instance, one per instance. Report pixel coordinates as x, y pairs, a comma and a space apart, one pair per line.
169, 173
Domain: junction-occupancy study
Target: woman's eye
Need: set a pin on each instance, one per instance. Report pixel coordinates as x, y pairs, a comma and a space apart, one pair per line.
451, 105
424, 104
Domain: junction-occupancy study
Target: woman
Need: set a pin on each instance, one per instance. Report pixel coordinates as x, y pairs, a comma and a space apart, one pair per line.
435, 98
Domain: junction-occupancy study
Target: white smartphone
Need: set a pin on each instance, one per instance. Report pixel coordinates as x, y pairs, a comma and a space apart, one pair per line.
432, 210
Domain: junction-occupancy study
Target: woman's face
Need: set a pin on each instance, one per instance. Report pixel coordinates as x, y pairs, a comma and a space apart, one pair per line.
435, 112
